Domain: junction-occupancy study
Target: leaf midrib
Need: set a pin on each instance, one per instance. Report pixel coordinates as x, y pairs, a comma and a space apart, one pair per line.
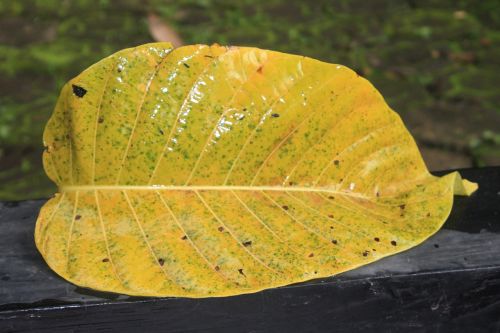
72, 188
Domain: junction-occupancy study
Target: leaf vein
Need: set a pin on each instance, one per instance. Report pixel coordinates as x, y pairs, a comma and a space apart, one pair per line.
139, 111
232, 234
108, 251
155, 258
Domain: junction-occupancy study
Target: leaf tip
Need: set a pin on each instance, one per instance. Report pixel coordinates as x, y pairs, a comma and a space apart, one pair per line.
463, 186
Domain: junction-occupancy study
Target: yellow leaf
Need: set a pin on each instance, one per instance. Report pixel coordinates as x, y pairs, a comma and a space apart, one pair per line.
211, 171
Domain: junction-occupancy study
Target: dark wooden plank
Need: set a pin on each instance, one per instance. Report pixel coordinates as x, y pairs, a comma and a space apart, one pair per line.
451, 282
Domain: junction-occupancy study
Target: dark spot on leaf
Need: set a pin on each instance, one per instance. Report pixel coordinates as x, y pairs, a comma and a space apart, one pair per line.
330, 216
393, 243
105, 260
221, 229
376, 239
285, 207
290, 183
77, 217
208, 56
241, 271
365, 253
334, 241
374, 250
315, 272
436, 246
185, 65
184, 237
244, 109
78, 91
275, 115
161, 131
100, 120
247, 243
377, 194
259, 70
311, 255
331, 227
428, 214
161, 261
402, 206
217, 268
336, 162
331, 197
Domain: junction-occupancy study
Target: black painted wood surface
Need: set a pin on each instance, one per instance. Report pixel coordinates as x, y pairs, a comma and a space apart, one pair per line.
449, 283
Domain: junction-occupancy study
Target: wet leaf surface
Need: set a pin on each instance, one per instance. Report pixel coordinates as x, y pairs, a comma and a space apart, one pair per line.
212, 171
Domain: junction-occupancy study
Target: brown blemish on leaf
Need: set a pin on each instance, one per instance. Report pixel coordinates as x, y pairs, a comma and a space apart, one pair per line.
77, 217
393, 243
161, 261
78, 91
105, 260
247, 243
184, 237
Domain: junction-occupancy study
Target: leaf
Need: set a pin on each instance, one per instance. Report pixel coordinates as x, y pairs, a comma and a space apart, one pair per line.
162, 32
212, 171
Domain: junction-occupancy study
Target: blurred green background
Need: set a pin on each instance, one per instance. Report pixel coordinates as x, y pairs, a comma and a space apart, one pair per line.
436, 62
